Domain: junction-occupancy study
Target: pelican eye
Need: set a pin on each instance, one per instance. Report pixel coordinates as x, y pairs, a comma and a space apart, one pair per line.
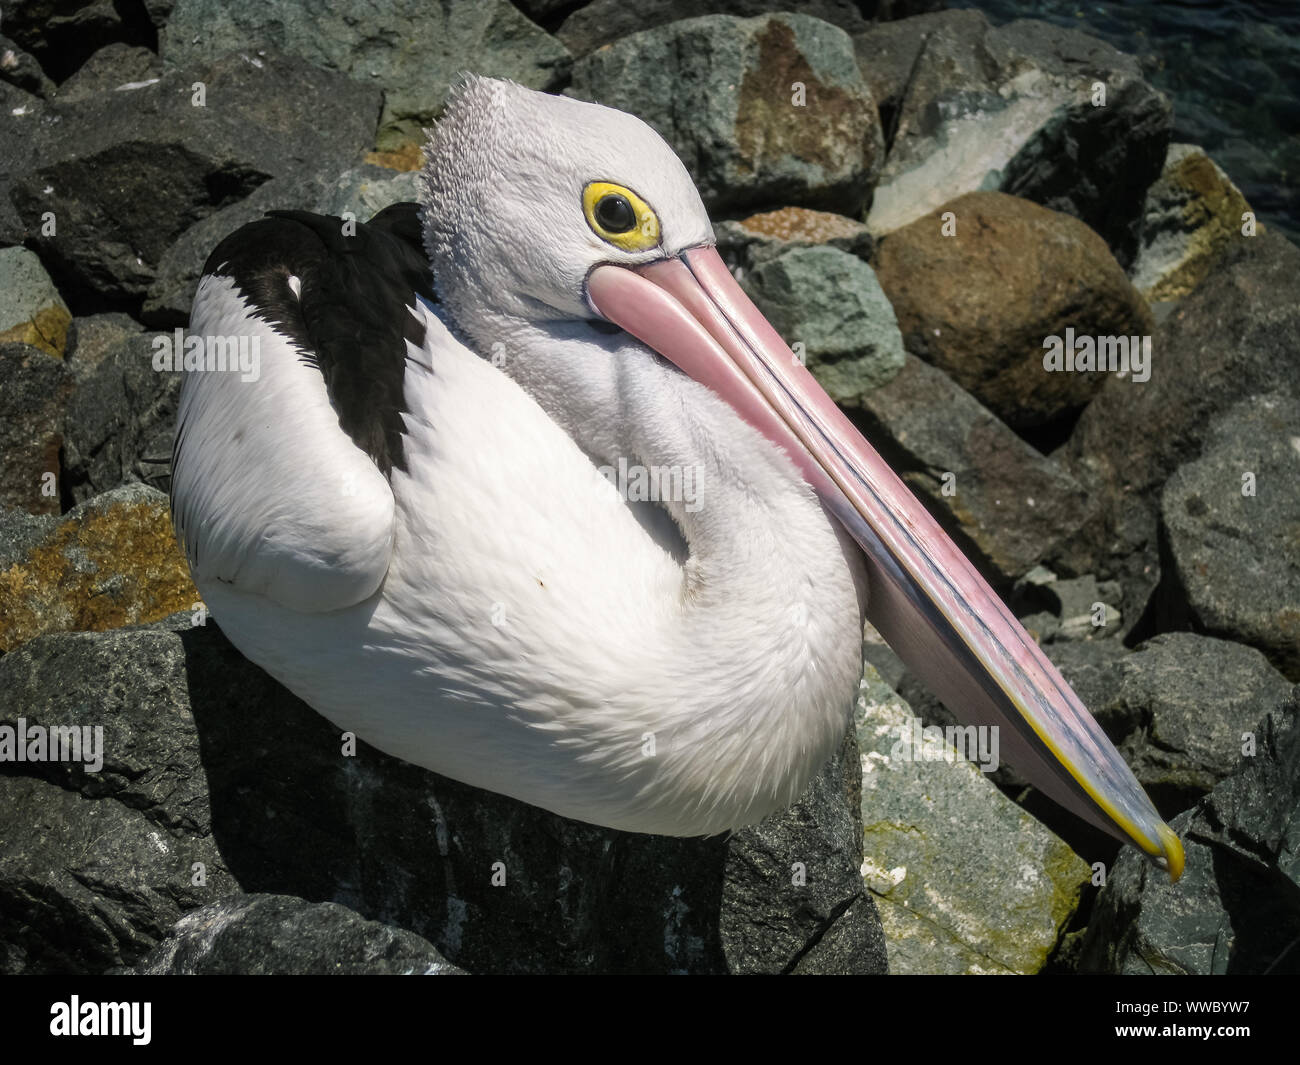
619, 216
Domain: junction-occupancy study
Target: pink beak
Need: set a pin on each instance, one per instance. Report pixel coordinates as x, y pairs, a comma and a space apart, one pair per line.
925, 598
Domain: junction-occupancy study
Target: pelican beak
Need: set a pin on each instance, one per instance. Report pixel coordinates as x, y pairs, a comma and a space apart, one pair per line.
925, 598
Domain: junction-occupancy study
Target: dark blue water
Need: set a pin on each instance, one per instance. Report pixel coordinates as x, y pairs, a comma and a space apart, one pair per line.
1232, 69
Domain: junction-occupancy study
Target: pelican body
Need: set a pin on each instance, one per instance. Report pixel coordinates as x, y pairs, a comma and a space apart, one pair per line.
405, 521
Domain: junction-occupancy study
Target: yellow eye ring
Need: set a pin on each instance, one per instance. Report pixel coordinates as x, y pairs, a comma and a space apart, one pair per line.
618, 215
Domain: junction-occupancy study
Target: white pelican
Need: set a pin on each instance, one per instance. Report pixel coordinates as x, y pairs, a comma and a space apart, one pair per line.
403, 518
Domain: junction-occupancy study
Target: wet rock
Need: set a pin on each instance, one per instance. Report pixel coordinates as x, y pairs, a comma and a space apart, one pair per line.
1237, 907
123, 174
411, 50
1231, 526
923, 818
605, 21
281, 935
982, 284
230, 769
1192, 213
34, 391
1012, 108
761, 237
1234, 336
830, 303
171, 295
752, 140
31, 309
109, 562
367, 190
1005, 505
121, 421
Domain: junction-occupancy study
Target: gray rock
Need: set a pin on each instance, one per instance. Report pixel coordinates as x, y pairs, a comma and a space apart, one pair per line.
1230, 521
1192, 212
1011, 109
20, 69
410, 49
1236, 335
113, 68
367, 190
20, 117
281, 935
830, 302
125, 173
95, 335
1237, 907
120, 422
31, 309
171, 295
1005, 505
745, 139
228, 768
605, 21
34, 392
1019, 884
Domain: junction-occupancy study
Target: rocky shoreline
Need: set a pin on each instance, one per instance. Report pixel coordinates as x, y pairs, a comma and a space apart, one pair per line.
923, 203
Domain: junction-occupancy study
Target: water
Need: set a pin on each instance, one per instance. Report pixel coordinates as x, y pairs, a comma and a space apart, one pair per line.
1232, 69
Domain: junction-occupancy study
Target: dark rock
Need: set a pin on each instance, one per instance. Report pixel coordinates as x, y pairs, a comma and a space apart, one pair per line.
228, 768
114, 68
605, 21
20, 114
125, 173
62, 34
121, 421
1231, 530
1005, 505
1237, 907
979, 294
411, 50
34, 392
171, 294
1236, 335
20, 69
749, 142
1011, 108
94, 336
830, 309
281, 935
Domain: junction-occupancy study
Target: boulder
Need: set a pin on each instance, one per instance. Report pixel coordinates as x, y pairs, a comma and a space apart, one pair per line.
1192, 212
1231, 532
1017, 108
123, 174
31, 309
828, 307
109, 562
411, 50
745, 243
63, 34
281, 935
780, 114
114, 68
1237, 907
981, 287
927, 811
22, 70
1005, 505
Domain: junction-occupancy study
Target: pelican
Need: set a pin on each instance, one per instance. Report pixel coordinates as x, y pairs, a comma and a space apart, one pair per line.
405, 515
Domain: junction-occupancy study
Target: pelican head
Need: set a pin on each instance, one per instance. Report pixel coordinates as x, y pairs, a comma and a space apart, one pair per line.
570, 246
